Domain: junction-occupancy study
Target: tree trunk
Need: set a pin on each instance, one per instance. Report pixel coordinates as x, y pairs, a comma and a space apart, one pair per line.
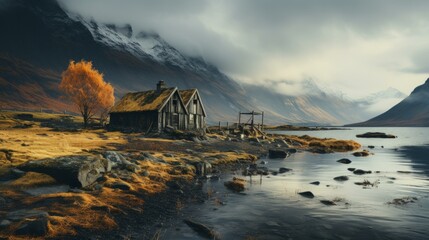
76, 171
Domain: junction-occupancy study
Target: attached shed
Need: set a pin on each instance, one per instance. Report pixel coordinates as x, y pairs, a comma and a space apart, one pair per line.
194, 105
151, 110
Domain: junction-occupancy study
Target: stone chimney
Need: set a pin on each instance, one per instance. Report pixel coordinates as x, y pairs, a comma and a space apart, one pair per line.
160, 85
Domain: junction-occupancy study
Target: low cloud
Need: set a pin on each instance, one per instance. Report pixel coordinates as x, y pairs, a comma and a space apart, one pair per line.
347, 45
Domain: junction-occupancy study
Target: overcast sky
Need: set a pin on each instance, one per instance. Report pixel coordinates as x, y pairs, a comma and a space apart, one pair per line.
354, 47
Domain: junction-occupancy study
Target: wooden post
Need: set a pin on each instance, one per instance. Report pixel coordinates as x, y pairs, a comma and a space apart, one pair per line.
262, 128
251, 124
227, 126
219, 126
239, 118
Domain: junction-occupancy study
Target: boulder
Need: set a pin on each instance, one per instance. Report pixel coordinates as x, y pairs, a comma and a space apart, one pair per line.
341, 178
306, 194
76, 171
115, 158
375, 135
277, 154
344, 161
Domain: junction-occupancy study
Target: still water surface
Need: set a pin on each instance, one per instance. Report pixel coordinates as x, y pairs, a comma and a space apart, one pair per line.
271, 207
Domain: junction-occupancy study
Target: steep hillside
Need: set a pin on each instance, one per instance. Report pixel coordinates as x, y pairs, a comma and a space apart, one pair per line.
412, 111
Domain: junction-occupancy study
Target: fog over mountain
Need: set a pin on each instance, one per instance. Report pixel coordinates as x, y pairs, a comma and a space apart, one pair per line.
356, 47
413, 111
41, 37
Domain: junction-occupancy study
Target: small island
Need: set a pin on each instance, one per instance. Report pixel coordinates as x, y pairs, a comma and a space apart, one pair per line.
375, 135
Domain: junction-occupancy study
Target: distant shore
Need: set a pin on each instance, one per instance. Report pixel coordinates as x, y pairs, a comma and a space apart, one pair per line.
302, 128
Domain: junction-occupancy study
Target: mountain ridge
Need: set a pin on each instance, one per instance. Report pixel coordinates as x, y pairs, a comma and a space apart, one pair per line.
49, 37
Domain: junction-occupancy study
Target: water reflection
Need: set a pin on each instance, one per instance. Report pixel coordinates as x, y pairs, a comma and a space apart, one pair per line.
272, 208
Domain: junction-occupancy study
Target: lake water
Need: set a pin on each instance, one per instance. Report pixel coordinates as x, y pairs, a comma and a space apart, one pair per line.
271, 207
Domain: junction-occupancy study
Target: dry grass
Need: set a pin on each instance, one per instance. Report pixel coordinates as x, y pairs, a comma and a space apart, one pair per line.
32, 179
330, 143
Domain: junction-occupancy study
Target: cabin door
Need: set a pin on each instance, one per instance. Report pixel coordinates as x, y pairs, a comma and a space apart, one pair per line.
175, 120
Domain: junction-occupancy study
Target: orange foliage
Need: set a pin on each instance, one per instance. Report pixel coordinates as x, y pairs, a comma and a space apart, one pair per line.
86, 88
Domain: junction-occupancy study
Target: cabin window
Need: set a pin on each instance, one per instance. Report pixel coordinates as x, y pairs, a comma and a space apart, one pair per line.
175, 106
194, 106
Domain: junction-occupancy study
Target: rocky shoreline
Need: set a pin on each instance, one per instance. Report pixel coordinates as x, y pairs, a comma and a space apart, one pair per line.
126, 185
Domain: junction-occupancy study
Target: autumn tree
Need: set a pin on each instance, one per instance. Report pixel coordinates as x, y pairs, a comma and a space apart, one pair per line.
86, 88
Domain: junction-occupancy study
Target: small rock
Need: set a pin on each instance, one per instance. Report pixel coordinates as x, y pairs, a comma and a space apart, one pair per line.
291, 150
283, 170
133, 167
33, 227
264, 162
174, 185
19, 215
341, 178
255, 140
145, 173
202, 229
169, 155
236, 185
277, 154
307, 194
4, 223
328, 202
371, 146
215, 178
364, 153
315, 183
361, 172
345, 161
351, 169
120, 185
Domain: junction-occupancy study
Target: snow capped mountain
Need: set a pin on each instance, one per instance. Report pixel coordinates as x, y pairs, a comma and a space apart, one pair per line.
142, 45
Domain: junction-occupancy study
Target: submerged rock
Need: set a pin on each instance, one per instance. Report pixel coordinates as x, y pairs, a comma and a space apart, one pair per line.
328, 202
351, 169
283, 170
202, 229
307, 194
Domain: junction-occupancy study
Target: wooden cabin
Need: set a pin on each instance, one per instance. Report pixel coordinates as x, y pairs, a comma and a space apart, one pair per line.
152, 110
194, 105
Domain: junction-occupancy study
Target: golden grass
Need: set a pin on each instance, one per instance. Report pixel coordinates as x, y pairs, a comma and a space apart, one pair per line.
32, 179
331, 143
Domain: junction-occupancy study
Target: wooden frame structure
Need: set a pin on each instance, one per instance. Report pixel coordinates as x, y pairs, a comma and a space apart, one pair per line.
251, 121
